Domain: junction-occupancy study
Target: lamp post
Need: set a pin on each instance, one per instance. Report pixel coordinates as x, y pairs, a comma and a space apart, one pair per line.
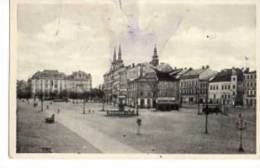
136, 99
206, 112
139, 123
41, 96
241, 125
198, 97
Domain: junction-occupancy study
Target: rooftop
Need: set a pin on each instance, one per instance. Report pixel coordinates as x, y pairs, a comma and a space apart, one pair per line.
225, 75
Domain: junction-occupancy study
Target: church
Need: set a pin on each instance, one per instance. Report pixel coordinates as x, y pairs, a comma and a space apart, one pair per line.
135, 83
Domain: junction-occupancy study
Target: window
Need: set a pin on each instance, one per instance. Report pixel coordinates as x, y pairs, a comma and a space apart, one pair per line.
234, 86
234, 78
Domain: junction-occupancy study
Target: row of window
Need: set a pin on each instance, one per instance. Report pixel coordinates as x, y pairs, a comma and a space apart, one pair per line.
251, 84
251, 93
223, 87
250, 76
188, 83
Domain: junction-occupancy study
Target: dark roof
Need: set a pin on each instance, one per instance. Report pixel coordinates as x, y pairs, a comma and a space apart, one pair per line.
225, 75
79, 75
48, 74
193, 73
250, 72
164, 76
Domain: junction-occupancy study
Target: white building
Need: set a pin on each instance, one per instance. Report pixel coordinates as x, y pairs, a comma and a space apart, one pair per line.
52, 82
227, 87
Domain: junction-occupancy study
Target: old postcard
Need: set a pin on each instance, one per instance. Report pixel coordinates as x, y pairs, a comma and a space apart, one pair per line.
133, 79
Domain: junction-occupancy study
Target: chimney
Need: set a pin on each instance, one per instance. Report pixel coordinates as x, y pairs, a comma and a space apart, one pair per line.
207, 66
203, 67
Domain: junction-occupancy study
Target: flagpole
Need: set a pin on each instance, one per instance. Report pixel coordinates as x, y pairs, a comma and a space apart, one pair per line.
246, 59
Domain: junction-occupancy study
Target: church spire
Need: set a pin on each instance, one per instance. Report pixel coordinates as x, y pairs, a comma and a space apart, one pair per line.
155, 60
119, 53
114, 58
155, 51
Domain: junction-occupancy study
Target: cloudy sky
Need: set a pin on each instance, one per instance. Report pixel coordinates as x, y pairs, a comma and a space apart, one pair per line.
71, 37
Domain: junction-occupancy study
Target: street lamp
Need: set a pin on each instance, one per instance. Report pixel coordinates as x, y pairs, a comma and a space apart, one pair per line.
136, 100
241, 125
139, 123
198, 97
41, 96
206, 111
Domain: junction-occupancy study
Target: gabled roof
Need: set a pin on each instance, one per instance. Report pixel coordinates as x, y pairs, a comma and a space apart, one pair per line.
225, 75
193, 73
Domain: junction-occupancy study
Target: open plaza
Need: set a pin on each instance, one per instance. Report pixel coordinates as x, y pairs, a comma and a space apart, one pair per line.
181, 131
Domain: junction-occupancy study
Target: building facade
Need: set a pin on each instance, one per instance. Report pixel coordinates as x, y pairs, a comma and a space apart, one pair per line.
249, 98
194, 85
78, 82
53, 83
168, 85
142, 86
115, 80
227, 87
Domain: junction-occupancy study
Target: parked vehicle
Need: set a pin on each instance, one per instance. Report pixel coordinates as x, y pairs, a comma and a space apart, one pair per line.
167, 104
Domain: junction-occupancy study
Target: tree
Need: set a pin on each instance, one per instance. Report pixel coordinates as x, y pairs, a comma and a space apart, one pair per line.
23, 89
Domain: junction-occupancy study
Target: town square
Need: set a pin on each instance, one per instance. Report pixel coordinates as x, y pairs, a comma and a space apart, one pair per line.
136, 77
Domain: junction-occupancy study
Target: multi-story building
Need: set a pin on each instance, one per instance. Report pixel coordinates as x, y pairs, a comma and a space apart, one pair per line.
226, 87
249, 98
142, 85
115, 81
78, 82
53, 82
168, 85
193, 85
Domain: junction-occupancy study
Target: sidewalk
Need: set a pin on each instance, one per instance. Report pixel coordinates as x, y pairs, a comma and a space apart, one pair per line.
98, 139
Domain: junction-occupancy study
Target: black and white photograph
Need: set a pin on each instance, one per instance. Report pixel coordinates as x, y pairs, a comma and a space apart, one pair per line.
144, 78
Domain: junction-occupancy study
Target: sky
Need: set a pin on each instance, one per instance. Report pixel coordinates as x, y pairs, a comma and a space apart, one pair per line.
72, 37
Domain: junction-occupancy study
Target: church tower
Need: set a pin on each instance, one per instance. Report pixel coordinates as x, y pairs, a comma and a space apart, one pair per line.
114, 56
120, 60
119, 54
114, 60
155, 59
